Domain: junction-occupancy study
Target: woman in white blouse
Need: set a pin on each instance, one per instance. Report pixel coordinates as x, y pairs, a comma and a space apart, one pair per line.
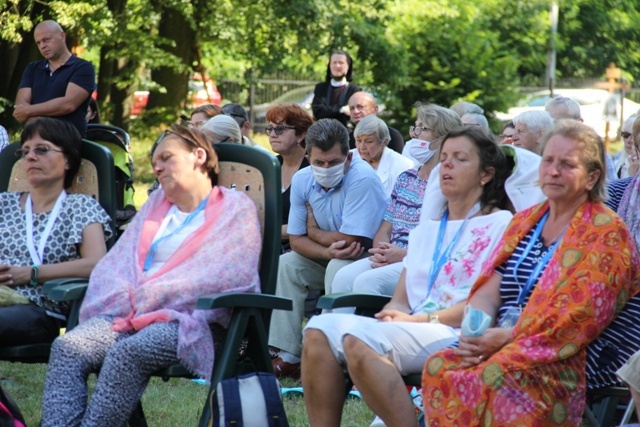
372, 137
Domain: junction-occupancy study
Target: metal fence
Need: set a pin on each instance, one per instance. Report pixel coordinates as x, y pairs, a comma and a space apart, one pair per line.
258, 96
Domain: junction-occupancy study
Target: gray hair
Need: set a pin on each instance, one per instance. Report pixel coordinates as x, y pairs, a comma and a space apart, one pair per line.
325, 133
463, 107
223, 128
572, 107
373, 125
439, 119
477, 118
536, 121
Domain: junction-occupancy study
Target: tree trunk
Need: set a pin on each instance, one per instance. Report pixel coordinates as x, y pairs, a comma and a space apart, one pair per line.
15, 58
165, 107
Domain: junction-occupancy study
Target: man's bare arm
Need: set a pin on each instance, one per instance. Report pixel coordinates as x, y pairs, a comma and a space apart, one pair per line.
61, 106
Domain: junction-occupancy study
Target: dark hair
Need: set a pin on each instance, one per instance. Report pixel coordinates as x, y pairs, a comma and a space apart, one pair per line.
325, 133
291, 114
62, 134
93, 106
508, 125
491, 156
238, 113
349, 74
193, 139
208, 110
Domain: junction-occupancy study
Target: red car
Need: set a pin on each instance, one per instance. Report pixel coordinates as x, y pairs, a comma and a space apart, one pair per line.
199, 94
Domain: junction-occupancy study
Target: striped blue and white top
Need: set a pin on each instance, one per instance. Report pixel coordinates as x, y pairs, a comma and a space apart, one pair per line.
616, 190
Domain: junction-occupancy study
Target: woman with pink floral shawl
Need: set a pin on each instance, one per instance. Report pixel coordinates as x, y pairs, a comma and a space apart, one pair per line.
190, 239
565, 268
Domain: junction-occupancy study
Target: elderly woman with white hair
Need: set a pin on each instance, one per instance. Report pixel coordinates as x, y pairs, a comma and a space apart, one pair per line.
372, 137
222, 128
530, 126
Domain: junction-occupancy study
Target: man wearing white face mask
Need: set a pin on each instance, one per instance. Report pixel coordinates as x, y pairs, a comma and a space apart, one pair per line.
337, 205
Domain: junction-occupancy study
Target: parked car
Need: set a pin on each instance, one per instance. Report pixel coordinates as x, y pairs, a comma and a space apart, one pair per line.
199, 94
301, 96
597, 107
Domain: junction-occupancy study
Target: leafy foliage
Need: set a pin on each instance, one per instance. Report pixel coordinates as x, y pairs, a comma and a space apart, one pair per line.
404, 50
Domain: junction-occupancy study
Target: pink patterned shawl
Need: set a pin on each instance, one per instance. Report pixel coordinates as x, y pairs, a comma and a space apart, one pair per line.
221, 256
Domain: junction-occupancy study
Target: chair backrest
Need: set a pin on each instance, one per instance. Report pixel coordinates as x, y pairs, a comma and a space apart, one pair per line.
96, 177
257, 174
108, 133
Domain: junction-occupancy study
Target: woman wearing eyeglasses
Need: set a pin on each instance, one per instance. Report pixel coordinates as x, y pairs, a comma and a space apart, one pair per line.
202, 114
627, 158
45, 233
287, 128
191, 238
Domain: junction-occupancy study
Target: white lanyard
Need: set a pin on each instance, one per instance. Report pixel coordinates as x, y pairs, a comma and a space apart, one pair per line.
36, 256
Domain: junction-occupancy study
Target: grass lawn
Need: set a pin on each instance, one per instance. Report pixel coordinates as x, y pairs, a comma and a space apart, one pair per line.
175, 403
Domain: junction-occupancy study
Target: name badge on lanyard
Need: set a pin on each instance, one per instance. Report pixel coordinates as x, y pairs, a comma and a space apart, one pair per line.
38, 255
540, 265
441, 257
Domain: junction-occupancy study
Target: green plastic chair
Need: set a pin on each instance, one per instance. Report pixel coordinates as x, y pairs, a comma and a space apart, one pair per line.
257, 174
97, 178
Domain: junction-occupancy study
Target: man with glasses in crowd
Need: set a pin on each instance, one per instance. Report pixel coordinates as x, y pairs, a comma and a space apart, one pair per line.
363, 104
59, 85
336, 207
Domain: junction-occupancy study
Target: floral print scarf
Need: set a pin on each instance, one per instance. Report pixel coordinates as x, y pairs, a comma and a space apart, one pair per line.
538, 379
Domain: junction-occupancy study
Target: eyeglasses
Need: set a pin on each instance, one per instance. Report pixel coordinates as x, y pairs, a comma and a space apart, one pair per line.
279, 129
196, 124
37, 151
625, 135
417, 130
503, 136
168, 132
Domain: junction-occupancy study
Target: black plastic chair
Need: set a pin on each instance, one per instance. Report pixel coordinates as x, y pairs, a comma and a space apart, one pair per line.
95, 178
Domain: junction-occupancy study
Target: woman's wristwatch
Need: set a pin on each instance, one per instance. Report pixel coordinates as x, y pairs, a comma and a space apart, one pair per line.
432, 318
34, 275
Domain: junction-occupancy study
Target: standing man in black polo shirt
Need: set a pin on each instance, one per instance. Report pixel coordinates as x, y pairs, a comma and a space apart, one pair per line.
58, 86
330, 97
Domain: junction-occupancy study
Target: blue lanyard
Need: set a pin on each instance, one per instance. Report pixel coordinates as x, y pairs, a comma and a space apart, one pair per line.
154, 246
540, 265
439, 260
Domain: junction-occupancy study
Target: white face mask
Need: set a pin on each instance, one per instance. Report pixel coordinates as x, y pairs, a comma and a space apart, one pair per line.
419, 150
328, 177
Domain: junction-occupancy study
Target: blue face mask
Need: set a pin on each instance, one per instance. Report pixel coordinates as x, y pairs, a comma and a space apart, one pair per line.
475, 322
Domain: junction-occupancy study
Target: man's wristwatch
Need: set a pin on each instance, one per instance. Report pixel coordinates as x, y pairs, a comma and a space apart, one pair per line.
34, 276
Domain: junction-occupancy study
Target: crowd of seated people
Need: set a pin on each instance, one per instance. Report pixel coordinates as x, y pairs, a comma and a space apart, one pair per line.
430, 227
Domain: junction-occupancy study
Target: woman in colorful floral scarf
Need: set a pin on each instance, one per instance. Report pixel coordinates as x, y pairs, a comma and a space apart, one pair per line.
564, 269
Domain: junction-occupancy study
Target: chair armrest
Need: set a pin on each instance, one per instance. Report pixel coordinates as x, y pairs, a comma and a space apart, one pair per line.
49, 285
360, 301
69, 292
244, 300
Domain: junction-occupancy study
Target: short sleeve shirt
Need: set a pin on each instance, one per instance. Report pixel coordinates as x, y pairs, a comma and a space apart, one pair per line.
404, 206
78, 211
354, 207
46, 85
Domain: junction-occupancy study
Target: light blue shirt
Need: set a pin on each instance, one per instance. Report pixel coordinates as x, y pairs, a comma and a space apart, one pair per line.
354, 207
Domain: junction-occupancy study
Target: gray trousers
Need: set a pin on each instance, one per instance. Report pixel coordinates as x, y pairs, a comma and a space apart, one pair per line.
125, 362
296, 276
